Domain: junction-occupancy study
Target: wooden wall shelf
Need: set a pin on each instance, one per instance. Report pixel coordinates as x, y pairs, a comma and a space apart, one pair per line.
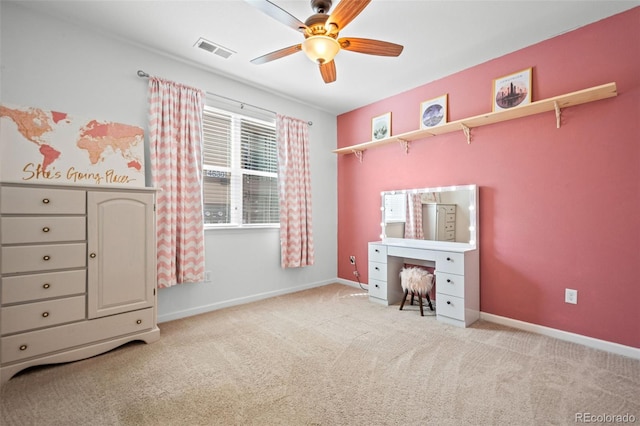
465, 125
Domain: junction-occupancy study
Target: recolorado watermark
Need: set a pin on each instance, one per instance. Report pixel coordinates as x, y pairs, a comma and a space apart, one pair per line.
604, 418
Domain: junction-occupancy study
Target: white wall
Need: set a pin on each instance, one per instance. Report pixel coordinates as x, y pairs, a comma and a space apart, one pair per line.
56, 65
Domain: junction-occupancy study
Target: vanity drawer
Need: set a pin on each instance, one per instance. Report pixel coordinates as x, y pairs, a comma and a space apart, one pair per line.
17, 200
43, 257
412, 253
377, 289
34, 343
450, 306
450, 226
450, 262
23, 288
450, 217
377, 253
450, 284
378, 271
14, 319
43, 229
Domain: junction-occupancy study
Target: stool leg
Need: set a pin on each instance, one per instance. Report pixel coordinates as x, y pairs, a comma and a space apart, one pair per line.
420, 300
404, 299
412, 294
429, 300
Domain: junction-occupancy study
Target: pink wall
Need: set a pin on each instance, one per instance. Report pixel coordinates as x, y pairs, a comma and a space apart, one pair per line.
559, 208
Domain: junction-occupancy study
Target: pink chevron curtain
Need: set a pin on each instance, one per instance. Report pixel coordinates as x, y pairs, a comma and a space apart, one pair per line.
175, 141
413, 225
294, 188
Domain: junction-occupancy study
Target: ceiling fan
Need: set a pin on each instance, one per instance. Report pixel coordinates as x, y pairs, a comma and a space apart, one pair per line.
321, 31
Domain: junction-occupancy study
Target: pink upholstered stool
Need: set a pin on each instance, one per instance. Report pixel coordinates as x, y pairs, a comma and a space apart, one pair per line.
418, 282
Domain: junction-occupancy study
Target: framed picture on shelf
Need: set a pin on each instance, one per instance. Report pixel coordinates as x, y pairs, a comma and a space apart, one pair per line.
433, 112
512, 90
381, 127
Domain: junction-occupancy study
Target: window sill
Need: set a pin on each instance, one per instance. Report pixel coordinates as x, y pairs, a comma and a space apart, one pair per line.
211, 227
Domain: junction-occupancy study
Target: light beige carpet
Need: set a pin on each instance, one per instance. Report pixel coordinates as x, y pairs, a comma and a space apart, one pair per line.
328, 356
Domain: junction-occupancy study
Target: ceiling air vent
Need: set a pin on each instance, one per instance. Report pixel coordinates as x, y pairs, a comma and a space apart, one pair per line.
216, 49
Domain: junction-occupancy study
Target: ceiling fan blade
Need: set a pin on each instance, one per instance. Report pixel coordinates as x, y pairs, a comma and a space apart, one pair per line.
328, 71
277, 54
370, 47
344, 13
277, 13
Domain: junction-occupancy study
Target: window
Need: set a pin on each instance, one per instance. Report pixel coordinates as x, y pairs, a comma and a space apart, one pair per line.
240, 170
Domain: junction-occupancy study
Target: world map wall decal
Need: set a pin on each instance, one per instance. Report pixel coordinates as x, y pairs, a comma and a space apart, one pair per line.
41, 146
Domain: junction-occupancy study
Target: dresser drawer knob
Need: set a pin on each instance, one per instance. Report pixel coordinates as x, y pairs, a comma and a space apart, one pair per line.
376, 268
92, 255
449, 259
377, 286
45, 229
45, 201
46, 257
46, 286
448, 302
45, 314
377, 251
139, 321
23, 347
448, 280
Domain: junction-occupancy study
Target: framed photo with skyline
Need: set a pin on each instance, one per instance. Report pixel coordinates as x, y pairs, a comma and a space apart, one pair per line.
433, 112
512, 90
381, 126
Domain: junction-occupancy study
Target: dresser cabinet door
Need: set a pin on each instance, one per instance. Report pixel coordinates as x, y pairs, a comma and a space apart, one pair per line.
121, 252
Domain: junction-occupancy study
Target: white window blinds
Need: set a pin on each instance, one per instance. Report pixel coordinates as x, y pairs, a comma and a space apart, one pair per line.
240, 163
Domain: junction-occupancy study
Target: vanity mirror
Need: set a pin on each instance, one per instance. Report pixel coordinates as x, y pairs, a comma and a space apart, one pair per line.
429, 216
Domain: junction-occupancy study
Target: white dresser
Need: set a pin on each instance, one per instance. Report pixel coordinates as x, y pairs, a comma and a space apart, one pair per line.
439, 222
456, 270
78, 271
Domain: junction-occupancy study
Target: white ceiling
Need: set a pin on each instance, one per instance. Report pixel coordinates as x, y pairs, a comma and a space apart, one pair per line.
439, 38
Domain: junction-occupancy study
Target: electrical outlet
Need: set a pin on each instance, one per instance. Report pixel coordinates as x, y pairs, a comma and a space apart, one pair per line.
352, 259
207, 276
570, 296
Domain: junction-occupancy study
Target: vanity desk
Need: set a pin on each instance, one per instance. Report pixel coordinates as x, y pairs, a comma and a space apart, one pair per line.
456, 263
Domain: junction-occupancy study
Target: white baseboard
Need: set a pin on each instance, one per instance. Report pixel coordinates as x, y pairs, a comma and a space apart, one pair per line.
603, 345
239, 301
352, 283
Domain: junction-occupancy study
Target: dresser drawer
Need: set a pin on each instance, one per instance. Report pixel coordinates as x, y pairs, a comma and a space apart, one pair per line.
43, 257
450, 284
377, 289
40, 342
16, 200
450, 306
377, 253
450, 262
450, 217
24, 288
378, 271
14, 319
42, 229
448, 209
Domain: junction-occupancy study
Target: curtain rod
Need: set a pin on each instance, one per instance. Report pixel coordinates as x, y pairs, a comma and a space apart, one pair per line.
143, 74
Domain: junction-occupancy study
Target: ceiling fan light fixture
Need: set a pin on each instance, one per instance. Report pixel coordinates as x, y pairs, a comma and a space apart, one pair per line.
320, 49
